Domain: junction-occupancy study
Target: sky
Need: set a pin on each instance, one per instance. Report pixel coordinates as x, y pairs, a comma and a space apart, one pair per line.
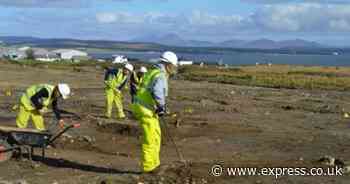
324, 21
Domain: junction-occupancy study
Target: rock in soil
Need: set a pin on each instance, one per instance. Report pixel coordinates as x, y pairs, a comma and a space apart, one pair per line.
331, 161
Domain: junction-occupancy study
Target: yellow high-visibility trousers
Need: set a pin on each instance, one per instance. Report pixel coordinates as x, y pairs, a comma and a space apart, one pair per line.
116, 97
151, 137
24, 115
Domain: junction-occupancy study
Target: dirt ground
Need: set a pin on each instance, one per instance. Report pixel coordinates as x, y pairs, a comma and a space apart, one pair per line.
235, 126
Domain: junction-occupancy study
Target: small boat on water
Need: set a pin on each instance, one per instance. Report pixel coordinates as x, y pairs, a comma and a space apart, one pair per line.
335, 53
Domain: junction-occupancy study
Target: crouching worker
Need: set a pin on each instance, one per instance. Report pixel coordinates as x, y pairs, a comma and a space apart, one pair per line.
149, 106
35, 102
115, 81
135, 82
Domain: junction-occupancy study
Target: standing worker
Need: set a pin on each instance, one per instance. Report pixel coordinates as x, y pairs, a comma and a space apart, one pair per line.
35, 102
135, 82
150, 105
115, 81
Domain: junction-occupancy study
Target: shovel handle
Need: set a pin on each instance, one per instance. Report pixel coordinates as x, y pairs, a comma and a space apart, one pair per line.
77, 125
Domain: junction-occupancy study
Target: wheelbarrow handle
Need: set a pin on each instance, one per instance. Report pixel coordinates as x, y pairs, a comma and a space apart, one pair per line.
62, 132
76, 125
10, 149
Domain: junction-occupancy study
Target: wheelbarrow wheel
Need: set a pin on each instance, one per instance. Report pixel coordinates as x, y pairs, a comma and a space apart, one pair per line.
5, 155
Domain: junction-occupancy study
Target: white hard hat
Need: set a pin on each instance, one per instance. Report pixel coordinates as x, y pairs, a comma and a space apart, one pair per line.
169, 57
129, 67
143, 69
64, 89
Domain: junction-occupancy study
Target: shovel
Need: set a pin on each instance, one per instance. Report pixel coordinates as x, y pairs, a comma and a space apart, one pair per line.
170, 137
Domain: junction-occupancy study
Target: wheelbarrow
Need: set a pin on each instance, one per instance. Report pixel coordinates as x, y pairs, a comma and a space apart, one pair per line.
25, 140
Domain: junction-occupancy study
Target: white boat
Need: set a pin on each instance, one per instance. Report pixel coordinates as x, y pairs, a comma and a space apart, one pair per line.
182, 63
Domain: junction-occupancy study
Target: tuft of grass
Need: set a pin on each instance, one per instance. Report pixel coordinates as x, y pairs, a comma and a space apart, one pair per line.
278, 76
64, 64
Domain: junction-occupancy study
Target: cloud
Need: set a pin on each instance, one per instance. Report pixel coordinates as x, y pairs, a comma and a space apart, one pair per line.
44, 3
196, 18
340, 25
56, 3
277, 19
125, 18
106, 17
305, 17
296, 1
201, 18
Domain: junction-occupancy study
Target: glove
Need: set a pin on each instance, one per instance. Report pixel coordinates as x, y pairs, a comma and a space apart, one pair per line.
117, 92
161, 111
61, 123
108, 84
167, 110
43, 111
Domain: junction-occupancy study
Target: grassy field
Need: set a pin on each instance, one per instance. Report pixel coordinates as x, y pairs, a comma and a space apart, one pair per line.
277, 76
63, 64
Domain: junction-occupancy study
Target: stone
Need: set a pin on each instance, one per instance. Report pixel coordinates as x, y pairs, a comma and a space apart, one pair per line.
20, 182
124, 178
35, 165
66, 135
346, 169
327, 160
88, 139
5, 182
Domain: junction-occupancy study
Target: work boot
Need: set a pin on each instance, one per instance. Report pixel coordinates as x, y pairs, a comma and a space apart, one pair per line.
124, 118
160, 170
107, 116
121, 117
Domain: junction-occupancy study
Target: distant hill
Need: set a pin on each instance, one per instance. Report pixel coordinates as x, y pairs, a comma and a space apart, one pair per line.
177, 44
17, 39
298, 43
233, 43
172, 40
262, 43
75, 43
175, 40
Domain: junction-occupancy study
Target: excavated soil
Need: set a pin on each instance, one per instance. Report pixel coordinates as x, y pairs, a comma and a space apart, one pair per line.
235, 126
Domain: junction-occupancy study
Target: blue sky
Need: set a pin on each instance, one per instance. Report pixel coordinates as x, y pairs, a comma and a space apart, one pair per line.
176, 6
325, 21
